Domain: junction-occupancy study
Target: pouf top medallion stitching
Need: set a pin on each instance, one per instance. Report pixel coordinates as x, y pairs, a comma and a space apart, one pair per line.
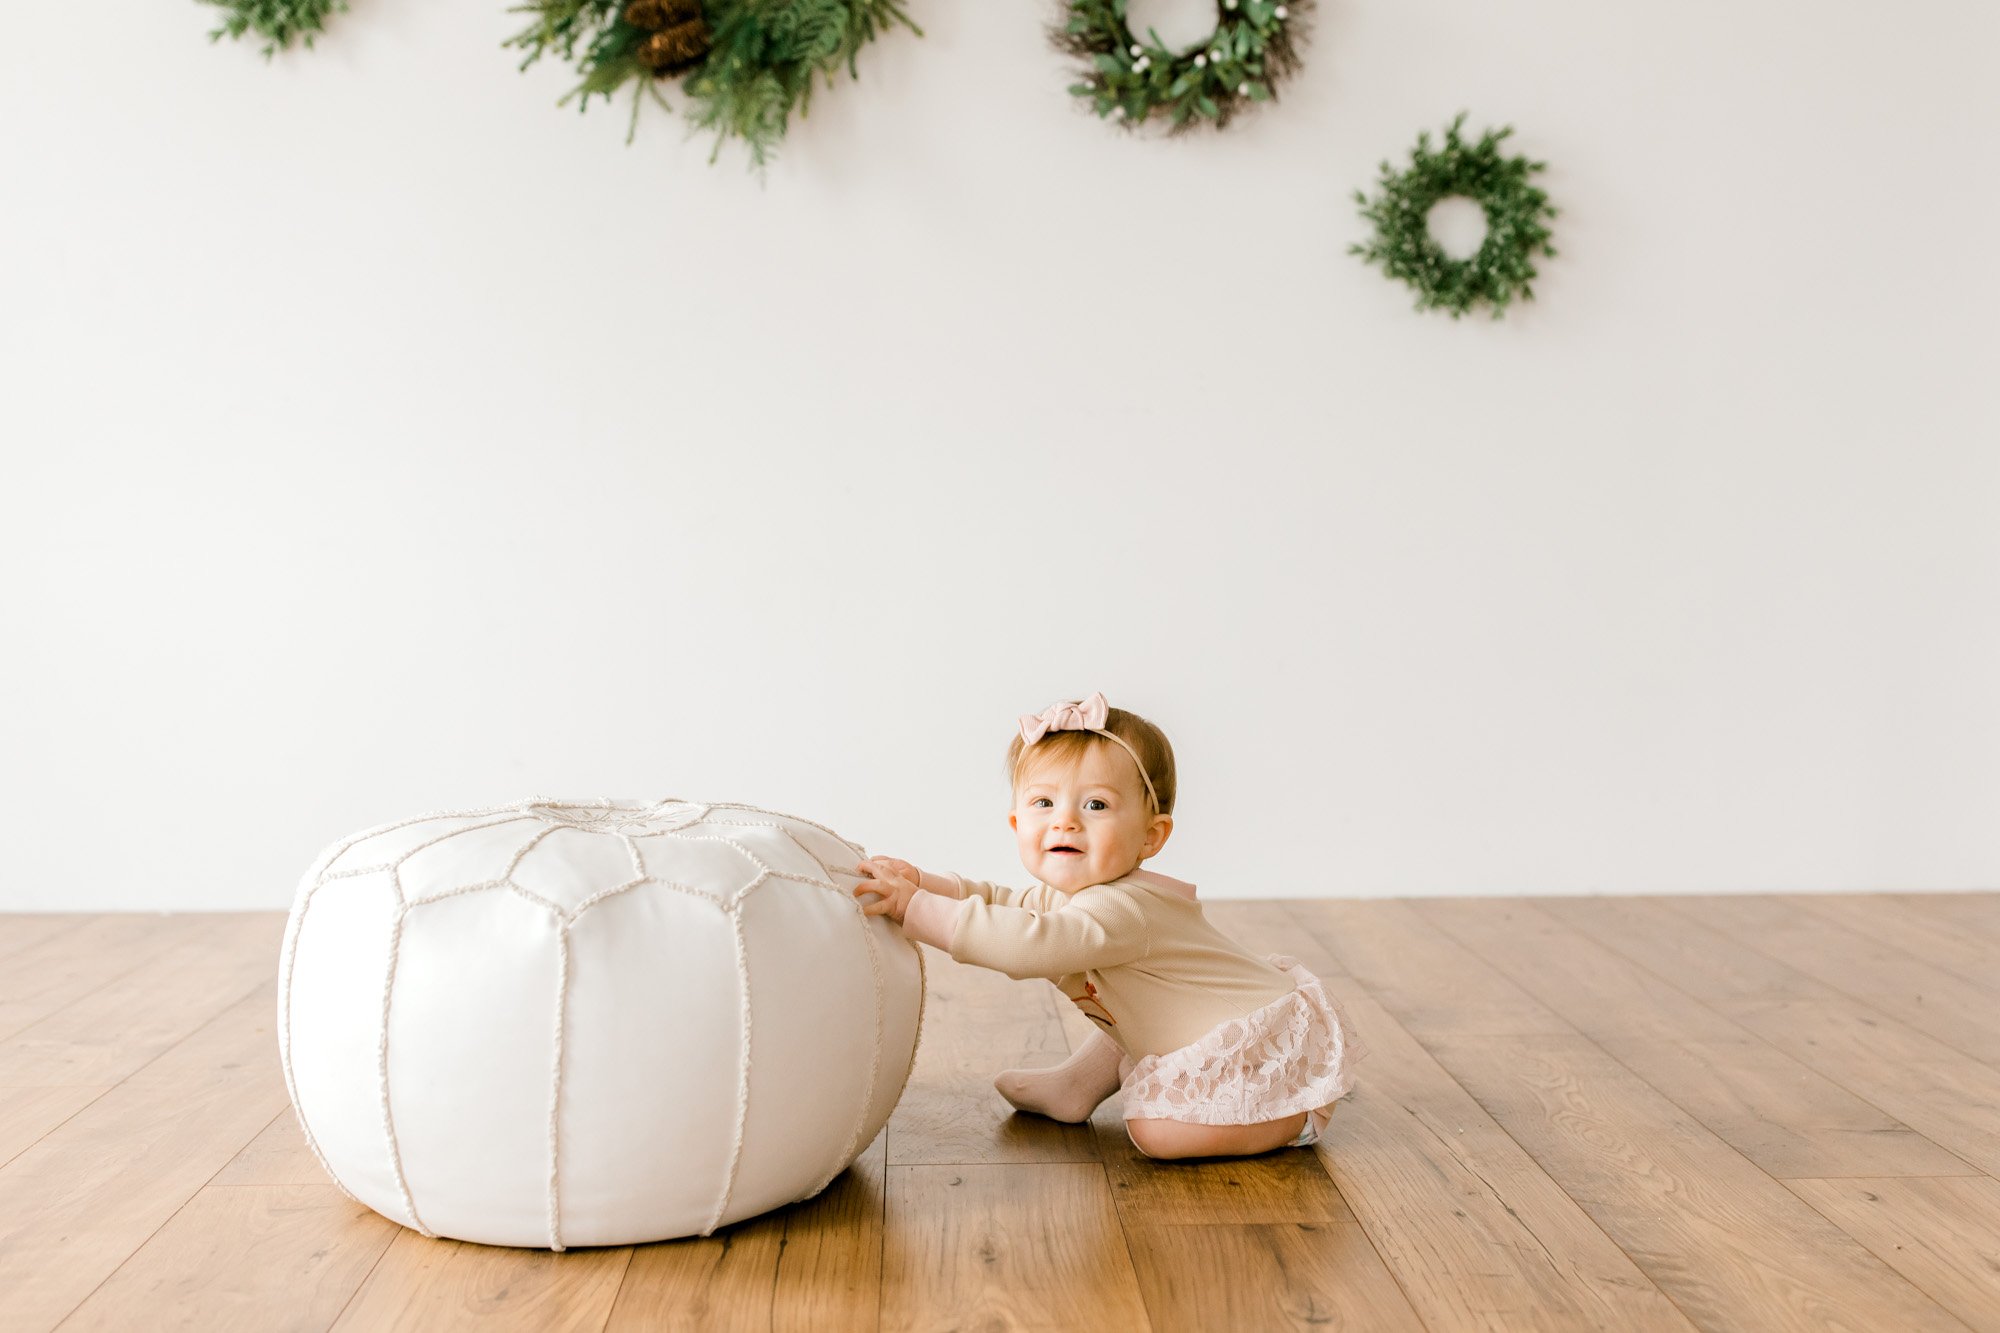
663, 816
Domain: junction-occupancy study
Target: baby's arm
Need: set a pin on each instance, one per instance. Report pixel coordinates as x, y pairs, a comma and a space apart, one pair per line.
896, 882
977, 922
1096, 928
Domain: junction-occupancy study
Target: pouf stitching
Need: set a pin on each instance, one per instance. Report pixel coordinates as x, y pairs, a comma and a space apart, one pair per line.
388, 982
767, 871
452, 833
616, 889
555, 1090
874, 1062
321, 875
743, 1071
563, 920
285, 1040
635, 815
764, 872
796, 819
531, 896
382, 1057
482, 887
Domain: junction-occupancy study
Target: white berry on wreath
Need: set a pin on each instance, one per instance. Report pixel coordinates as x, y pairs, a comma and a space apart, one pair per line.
1255, 51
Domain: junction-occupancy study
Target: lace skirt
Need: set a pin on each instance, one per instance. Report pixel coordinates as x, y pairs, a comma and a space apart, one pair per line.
1292, 1055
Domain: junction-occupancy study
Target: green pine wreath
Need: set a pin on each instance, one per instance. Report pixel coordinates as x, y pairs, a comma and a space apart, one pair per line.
276, 21
746, 65
1504, 266
1253, 49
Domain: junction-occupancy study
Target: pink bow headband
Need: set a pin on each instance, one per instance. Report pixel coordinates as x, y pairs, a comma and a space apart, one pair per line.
1082, 715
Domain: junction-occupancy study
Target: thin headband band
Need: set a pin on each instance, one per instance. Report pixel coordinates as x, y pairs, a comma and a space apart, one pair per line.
1081, 715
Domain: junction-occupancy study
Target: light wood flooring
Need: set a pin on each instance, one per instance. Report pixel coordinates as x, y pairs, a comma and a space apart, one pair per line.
1574, 1113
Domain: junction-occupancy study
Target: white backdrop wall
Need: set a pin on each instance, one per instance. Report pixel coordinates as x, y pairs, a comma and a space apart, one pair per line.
381, 439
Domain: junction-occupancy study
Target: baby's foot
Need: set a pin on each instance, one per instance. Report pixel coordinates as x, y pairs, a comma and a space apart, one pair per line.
1071, 1090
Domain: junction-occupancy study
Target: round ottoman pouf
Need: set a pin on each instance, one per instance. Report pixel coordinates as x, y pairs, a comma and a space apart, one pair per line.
591, 1023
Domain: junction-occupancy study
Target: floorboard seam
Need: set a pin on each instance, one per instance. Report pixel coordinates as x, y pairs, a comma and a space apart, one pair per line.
1813, 905
1872, 1005
134, 1072
1422, 919
1815, 1067
13, 955
168, 1219
1828, 1075
1666, 1093
74, 1000
15, 1156
1324, 1153
1835, 1223
382, 1254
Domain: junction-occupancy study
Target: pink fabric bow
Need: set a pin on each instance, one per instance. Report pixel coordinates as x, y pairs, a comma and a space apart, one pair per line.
1071, 715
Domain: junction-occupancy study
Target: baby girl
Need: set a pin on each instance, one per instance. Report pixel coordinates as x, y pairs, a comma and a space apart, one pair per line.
1220, 1052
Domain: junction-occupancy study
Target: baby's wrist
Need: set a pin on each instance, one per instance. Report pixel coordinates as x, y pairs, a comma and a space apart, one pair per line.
928, 920
944, 884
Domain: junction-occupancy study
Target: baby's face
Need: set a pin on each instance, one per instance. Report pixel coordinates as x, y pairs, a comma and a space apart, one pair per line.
1089, 826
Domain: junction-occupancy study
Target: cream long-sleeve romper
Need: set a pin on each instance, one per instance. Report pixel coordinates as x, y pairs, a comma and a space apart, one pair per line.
1218, 1035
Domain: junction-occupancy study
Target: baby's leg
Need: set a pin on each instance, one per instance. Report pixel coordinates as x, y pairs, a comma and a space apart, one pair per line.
1069, 1091
1181, 1138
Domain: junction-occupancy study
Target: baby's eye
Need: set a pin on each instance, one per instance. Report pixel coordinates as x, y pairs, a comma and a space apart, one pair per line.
1039, 800
1095, 803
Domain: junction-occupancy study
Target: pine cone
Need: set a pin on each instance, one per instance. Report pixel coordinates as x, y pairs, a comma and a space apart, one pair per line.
648, 14
653, 15
674, 49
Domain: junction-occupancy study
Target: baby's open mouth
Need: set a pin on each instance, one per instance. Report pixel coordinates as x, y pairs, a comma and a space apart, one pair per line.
1065, 851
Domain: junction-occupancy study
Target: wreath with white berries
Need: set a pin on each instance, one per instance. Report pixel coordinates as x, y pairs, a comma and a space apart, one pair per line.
1253, 49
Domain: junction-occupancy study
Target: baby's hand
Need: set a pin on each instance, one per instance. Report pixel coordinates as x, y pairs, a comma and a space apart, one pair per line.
893, 882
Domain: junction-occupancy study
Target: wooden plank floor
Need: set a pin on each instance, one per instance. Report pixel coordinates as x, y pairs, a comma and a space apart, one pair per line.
1573, 1113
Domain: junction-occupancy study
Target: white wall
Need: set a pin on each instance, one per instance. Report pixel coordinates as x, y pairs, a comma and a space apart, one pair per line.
380, 438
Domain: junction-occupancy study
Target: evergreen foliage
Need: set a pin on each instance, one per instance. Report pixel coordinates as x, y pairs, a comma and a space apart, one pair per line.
1504, 266
1253, 48
277, 21
760, 68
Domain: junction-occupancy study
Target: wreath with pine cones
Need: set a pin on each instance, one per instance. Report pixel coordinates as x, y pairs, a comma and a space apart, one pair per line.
745, 65
1504, 266
1253, 50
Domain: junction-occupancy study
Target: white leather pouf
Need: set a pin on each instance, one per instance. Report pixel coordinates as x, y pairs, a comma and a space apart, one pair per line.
591, 1023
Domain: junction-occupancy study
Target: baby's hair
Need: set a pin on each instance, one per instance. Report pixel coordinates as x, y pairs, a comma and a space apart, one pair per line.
1069, 747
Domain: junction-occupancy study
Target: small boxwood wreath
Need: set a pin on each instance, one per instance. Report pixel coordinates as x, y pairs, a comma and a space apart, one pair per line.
746, 65
1252, 50
1503, 268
